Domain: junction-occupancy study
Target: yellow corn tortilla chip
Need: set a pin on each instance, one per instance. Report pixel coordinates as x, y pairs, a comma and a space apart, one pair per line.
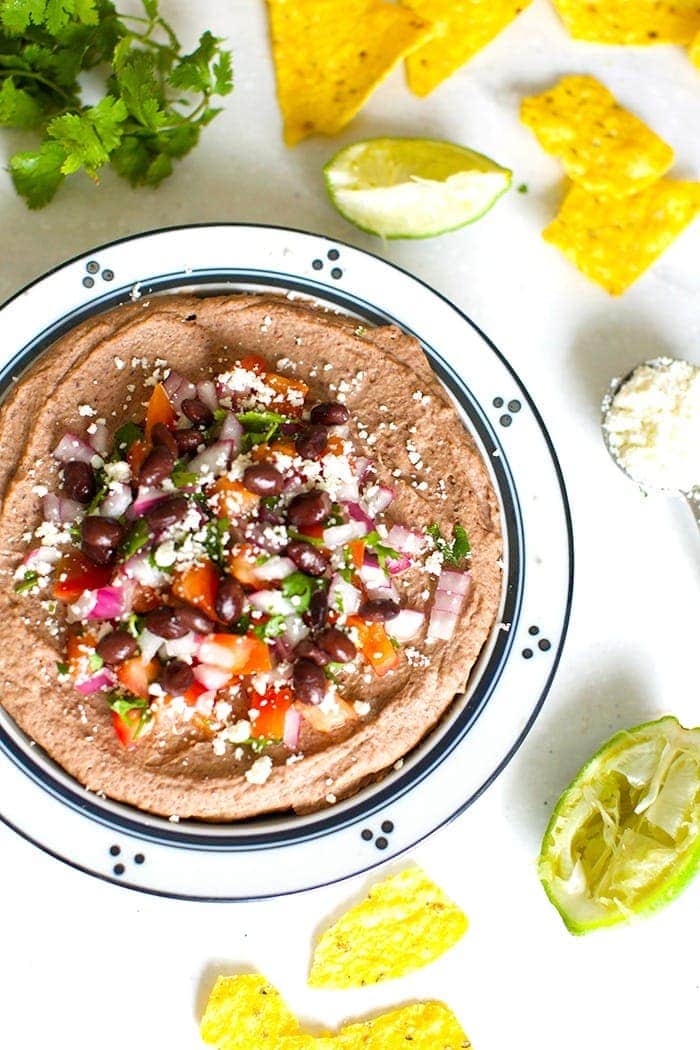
420, 1026
246, 1013
404, 923
614, 240
330, 55
462, 27
695, 51
631, 21
603, 147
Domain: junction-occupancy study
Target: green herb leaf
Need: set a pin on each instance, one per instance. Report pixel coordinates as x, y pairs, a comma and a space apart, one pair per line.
37, 176
18, 109
242, 624
373, 541
125, 438
29, 580
273, 628
216, 537
122, 704
181, 476
134, 624
301, 587
452, 553
102, 488
96, 662
257, 744
90, 137
296, 535
137, 536
62, 667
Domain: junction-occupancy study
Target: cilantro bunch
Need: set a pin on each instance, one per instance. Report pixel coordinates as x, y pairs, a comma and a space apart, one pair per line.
156, 101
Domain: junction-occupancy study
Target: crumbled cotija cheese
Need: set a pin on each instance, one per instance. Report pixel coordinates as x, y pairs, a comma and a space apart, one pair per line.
653, 425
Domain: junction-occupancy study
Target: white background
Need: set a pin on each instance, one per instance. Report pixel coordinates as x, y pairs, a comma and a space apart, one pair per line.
86, 964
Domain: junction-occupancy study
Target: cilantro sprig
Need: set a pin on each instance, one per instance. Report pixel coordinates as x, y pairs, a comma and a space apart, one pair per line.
452, 553
156, 99
29, 580
299, 587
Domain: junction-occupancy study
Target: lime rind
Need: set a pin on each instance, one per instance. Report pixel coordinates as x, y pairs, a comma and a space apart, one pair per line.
408, 188
624, 838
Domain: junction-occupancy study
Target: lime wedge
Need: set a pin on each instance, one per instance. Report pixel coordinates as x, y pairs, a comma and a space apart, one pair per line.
412, 187
625, 836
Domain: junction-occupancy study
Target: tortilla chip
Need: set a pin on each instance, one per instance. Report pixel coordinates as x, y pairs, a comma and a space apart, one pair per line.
404, 923
330, 56
462, 27
603, 147
613, 241
631, 21
420, 1026
246, 1012
695, 51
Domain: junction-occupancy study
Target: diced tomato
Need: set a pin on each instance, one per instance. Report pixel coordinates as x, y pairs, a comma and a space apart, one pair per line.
254, 363
327, 721
75, 574
234, 499
265, 451
335, 445
243, 563
127, 726
272, 707
376, 646
193, 693
289, 394
136, 456
197, 586
137, 674
79, 649
159, 410
357, 552
237, 653
314, 532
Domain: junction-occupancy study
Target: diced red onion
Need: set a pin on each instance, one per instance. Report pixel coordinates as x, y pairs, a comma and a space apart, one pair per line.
178, 387
206, 392
398, 565
117, 501
373, 576
139, 568
357, 513
458, 582
442, 625
213, 461
109, 604
271, 602
362, 467
406, 625
447, 601
41, 556
182, 647
231, 430
101, 680
406, 541
59, 509
71, 447
340, 535
172, 383
343, 597
212, 677
292, 727
275, 568
149, 644
145, 499
100, 439
450, 597
376, 499
282, 649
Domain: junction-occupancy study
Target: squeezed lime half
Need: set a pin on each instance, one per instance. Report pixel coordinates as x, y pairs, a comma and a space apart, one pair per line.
401, 187
624, 837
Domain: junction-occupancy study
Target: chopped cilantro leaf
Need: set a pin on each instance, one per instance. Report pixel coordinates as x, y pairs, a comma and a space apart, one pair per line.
137, 536
242, 624
273, 628
332, 669
135, 624
101, 491
296, 535
29, 580
181, 476
96, 662
125, 437
383, 552
522, 188
257, 744
216, 536
301, 587
260, 421
452, 553
62, 667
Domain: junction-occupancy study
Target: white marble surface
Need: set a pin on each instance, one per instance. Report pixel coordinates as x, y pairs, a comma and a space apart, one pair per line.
86, 964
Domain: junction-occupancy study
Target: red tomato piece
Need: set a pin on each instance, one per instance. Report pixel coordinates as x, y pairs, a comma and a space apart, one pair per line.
237, 653
127, 727
272, 707
136, 455
198, 586
289, 394
376, 645
137, 674
76, 574
159, 410
79, 649
254, 363
357, 552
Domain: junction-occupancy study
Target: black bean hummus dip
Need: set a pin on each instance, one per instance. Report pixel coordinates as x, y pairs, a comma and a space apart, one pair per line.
250, 554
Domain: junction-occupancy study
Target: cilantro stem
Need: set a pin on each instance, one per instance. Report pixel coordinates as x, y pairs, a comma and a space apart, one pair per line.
16, 71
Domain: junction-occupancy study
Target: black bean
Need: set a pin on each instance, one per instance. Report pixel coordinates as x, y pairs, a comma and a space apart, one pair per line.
176, 677
309, 682
169, 512
104, 534
195, 620
197, 412
229, 601
315, 615
79, 481
188, 441
379, 610
157, 466
99, 555
312, 442
307, 557
308, 650
165, 622
337, 644
330, 413
309, 508
160, 435
263, 479
116, 647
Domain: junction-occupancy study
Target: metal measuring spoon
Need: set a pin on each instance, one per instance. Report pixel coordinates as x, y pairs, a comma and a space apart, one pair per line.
692, 497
